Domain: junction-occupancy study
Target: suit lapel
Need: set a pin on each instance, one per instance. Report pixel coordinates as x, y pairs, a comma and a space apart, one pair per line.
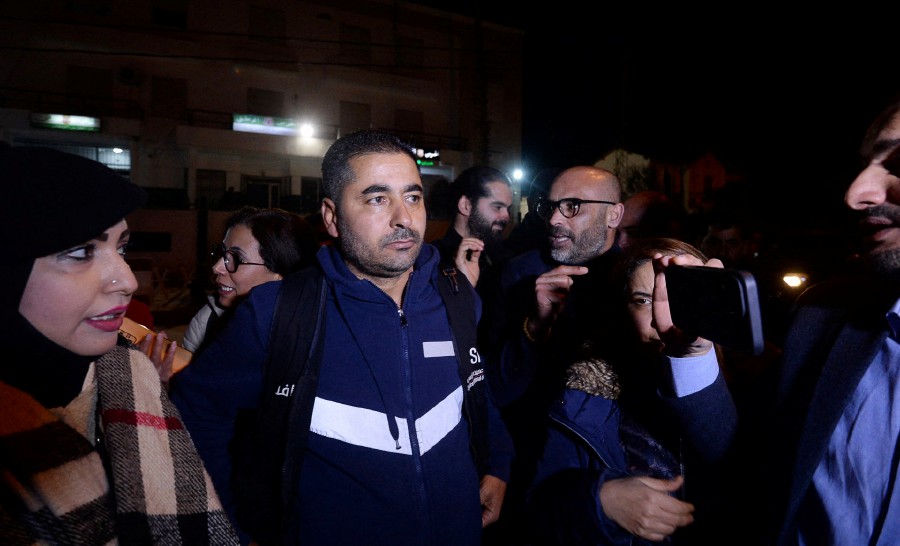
849, 358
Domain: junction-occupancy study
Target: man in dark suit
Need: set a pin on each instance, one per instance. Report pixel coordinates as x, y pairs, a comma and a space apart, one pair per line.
827, 448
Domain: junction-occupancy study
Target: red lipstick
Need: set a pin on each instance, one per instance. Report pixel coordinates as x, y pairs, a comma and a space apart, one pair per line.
109, 321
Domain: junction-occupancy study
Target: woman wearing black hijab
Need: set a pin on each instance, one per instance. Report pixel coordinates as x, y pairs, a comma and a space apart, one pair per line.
91, 449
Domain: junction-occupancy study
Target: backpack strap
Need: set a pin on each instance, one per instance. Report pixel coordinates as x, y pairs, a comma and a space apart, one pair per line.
459, 300
290, 376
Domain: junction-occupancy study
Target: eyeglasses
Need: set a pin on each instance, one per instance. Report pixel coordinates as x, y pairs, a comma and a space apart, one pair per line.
229, 257
568, 207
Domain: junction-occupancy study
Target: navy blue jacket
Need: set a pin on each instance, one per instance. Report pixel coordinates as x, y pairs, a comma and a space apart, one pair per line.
581, 453
592, 439
359, 484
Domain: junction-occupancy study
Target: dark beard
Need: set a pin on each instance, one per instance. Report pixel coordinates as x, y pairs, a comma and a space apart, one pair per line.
887, 262
371, 261
482, 229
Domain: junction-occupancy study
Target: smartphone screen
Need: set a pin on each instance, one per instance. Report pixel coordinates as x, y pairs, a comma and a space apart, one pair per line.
721, 305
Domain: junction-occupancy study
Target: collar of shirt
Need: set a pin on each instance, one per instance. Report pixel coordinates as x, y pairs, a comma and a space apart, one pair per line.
893, 319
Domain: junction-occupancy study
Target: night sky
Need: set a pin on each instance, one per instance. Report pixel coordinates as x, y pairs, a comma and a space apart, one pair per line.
781, 97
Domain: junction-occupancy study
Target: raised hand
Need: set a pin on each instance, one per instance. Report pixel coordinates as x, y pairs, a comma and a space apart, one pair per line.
551, 291
467, 256
677, 343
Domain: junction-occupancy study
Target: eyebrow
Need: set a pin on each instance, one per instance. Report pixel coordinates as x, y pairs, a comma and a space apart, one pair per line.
639, 293
882, 146
382, 188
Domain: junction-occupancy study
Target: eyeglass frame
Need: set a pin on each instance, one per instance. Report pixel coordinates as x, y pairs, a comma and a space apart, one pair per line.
556, 205
220, 251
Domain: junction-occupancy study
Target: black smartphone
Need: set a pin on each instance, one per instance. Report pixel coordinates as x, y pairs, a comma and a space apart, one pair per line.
721, 305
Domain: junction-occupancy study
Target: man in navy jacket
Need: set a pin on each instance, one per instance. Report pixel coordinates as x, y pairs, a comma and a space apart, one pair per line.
387, 456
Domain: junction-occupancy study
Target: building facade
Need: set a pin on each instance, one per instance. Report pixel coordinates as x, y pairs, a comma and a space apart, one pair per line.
201, 98
210, 104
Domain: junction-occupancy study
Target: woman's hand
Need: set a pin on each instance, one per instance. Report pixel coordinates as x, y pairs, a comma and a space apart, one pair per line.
677, 343
645, 506
161, 352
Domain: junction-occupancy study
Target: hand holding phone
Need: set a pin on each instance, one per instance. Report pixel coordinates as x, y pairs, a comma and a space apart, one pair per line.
136, 332
718, 304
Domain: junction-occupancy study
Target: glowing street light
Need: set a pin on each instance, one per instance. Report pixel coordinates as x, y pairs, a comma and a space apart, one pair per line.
794, 280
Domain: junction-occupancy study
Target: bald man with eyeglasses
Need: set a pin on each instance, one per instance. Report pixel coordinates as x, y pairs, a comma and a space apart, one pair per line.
550, 303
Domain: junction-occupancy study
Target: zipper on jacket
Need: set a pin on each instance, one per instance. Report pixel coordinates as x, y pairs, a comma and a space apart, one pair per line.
585, 440
400, 312
415, 448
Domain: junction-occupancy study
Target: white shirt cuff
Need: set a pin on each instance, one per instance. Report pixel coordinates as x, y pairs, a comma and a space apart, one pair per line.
694, 373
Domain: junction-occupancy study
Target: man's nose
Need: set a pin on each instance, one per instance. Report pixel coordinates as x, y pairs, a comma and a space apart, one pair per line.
870, 187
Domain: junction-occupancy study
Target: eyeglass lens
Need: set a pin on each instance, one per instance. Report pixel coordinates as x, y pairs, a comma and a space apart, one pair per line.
567, 207
229, 259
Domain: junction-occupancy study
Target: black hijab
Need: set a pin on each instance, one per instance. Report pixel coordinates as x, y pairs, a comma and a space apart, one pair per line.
50, 201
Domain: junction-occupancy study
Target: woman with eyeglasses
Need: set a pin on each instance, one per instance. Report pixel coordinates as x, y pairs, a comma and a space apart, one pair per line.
260, 245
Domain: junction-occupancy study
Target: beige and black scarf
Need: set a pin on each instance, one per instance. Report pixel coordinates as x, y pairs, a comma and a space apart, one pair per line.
141, 483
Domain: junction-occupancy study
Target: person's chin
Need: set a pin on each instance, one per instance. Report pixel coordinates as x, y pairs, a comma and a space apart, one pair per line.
561, 254
882, 241
96, 344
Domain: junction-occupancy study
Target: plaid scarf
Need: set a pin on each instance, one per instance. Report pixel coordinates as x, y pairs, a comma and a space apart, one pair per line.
55, 485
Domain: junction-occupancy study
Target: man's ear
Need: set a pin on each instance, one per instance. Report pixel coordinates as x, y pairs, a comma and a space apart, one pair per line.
329, 217
464, 206
614, 215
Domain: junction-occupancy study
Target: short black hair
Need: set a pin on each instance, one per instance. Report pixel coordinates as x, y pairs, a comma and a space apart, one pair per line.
472, 183
336, 170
